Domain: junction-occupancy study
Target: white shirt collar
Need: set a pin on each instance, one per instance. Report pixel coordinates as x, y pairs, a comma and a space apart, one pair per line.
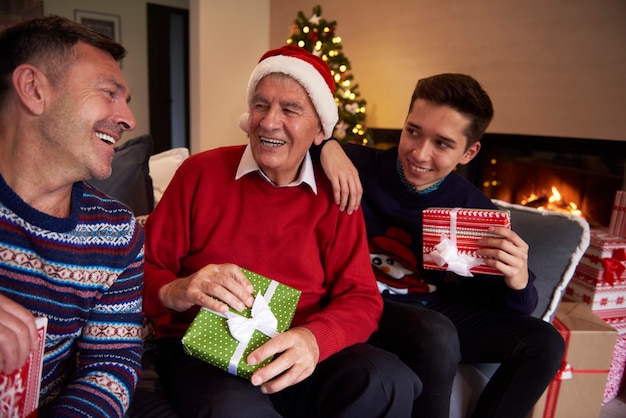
249, 165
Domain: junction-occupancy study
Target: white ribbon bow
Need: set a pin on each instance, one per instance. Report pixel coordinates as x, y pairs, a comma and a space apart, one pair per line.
242, 328
447, 252
262, 319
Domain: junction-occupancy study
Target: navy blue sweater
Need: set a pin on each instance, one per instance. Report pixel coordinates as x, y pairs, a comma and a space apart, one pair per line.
389, 201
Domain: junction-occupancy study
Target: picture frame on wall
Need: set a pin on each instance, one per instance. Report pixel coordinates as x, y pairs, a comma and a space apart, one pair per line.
103, 23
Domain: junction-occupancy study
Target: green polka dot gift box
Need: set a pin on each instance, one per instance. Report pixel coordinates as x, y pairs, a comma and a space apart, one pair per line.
226, 340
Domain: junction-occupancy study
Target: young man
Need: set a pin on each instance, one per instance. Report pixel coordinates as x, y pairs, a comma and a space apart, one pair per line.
434, 320
69, 252
267, 208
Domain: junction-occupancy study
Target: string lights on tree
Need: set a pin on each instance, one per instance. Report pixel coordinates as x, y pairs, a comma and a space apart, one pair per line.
317, 36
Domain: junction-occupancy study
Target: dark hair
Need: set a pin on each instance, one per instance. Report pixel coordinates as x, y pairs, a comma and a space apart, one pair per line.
48, 43
462, 93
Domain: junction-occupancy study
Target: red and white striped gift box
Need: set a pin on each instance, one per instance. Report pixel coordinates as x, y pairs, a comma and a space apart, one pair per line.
464, 227
606, 253
589, 286
618, 215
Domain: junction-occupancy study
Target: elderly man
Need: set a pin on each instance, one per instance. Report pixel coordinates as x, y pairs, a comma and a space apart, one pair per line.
267, 208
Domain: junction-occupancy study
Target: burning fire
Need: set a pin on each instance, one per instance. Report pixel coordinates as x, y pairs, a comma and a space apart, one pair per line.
553, 202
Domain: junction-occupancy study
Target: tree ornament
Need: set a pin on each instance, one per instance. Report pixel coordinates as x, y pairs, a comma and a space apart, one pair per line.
315, 19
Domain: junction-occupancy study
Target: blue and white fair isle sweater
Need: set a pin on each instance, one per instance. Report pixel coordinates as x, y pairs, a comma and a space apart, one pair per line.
85, 274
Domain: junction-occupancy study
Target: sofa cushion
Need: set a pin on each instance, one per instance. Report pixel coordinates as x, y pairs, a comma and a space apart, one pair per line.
130, 181
162, 168
557, 242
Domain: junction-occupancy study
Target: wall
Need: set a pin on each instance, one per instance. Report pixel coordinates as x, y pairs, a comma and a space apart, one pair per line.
555, 67
226, 41
134, 25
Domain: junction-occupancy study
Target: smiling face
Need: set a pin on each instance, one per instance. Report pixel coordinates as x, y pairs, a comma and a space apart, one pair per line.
433, 143
283, 125
88, 113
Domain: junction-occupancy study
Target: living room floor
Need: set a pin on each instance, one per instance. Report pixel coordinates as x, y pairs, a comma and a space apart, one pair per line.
615, 408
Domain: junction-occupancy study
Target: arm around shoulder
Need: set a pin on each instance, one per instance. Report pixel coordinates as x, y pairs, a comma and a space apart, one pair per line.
343, 175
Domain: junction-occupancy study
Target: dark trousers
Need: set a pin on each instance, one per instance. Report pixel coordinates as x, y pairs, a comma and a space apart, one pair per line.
433, 339
359, 381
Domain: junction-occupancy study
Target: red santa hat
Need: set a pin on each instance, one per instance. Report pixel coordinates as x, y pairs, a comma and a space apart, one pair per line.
307, 69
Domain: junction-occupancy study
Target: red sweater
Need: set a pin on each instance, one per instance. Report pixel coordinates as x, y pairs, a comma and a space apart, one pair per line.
289, 234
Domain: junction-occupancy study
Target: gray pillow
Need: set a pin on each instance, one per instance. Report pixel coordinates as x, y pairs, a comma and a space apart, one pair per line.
557, 242
130, 181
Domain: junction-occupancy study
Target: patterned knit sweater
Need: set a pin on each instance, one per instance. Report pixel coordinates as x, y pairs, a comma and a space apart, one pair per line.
85, 274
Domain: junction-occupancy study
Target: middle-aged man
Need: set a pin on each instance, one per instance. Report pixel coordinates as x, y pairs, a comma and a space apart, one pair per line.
67, 251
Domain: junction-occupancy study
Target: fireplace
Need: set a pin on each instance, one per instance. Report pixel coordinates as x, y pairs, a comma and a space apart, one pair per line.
529, 169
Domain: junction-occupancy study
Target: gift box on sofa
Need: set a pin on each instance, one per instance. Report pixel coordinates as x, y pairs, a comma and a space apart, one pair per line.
226, 340
450, 238
577, 390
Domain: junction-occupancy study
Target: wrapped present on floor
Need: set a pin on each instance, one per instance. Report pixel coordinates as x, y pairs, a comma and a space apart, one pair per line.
578, 388
600, 277
600, 282
616, 321
450, 238
591, 288
606, 253
226, 340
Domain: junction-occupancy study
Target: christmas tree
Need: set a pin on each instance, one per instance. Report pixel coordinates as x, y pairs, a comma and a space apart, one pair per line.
317, 36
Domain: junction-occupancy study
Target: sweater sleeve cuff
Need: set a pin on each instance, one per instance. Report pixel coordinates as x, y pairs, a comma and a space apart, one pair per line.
325, 337
155, 307
525, 300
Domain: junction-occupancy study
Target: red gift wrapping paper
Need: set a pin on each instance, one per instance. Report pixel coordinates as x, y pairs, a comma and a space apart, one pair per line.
618, 322
589, 287
606, 253
471, 225
20, 388
615, 378
617, 225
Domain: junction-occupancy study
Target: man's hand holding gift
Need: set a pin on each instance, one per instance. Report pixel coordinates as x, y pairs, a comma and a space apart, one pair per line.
215, 287
508, 254
299, 355
252, 342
